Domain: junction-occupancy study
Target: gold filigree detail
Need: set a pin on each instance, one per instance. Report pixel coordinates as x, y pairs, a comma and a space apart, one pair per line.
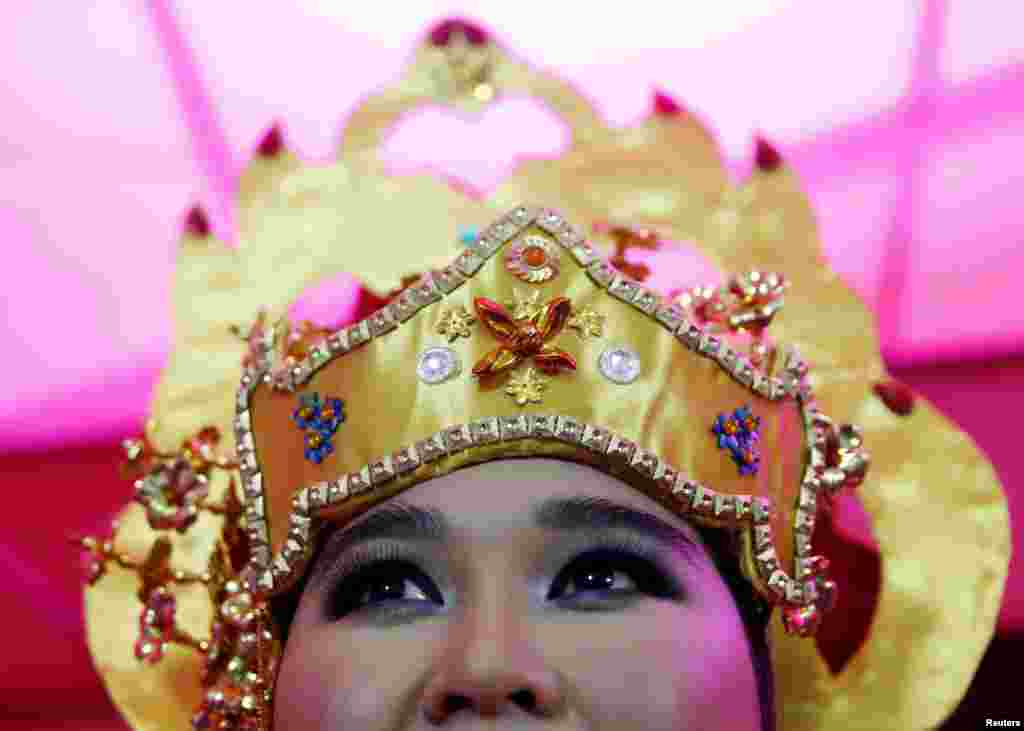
526, 387
456, 323
587, 323
525, 306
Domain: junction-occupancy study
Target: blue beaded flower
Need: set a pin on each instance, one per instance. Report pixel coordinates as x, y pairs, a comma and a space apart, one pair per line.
468, 235
738, 432
320, 419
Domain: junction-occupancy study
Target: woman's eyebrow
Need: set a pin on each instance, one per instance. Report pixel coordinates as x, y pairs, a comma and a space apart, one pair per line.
399, 520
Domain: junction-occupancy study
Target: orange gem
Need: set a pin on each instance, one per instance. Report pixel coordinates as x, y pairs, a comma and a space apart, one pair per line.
535, 256
327, 414
730, 427
314, 440
306, 413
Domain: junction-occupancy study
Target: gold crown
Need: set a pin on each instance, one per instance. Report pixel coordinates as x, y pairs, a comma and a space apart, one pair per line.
640, 391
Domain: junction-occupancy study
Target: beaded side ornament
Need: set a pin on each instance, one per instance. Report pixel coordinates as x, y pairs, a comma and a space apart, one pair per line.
240, 653
320, 419
738, 433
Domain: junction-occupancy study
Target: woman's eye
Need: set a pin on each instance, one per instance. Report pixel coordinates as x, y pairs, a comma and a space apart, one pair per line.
591, 580
611, 572
381, 584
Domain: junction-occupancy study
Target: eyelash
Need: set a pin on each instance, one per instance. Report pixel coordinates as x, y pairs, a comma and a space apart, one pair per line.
366, 570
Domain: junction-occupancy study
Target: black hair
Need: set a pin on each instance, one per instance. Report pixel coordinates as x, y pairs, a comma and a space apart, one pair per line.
722, 546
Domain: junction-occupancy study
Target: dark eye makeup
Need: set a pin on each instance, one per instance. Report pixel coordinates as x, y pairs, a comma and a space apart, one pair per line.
387, 579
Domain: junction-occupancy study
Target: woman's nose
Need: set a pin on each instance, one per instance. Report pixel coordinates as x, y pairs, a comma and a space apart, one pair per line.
490, 668
489, 698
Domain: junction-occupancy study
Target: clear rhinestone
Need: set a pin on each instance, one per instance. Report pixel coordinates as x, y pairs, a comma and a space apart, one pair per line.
761, 509
338, 342
584, 254
665, 477
468, 263
602, 273
292, 551
514, 427
644, 462
406, 460
382, 471
703, 499
569, 237
624, 288
595, 438
382, 321
318, 496
550, 221
709, 345
253, 485
521, 216
569, 430
246, 444
457, 438
359, 482
320, 354
485, 431
620, 365
254, 509
437, 365
542, 426
449, 279
722, 507
431, 449
742, 507
646, 301
804, 521
671, 316
358, 334
337, 490
762, 536
768, 560
690, 334
619, 448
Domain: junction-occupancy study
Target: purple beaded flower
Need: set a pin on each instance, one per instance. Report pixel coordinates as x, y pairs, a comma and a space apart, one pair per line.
171, 493
320, 419
738, 432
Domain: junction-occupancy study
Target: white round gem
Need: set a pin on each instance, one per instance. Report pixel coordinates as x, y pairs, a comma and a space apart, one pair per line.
620, 365
438, 364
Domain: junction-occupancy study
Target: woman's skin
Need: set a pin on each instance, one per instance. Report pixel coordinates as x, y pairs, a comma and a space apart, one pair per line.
487, 632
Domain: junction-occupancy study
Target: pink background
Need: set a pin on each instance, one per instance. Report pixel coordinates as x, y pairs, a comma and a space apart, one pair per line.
904, 120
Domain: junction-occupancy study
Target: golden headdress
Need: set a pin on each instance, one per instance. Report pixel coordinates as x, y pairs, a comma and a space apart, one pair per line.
529, 341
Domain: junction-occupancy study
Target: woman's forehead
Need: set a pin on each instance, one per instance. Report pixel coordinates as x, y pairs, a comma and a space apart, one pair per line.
518, 493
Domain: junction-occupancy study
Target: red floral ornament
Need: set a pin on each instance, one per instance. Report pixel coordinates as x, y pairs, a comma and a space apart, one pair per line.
523, 340
171, 494
156, 625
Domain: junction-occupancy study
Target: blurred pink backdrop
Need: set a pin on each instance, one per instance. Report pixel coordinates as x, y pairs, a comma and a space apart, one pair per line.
904, 120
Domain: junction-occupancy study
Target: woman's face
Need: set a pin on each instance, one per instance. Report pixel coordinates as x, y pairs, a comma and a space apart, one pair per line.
517, 604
